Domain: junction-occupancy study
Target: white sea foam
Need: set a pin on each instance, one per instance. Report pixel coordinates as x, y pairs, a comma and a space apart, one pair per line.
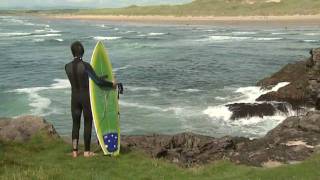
210, 30
175, 110
39, 30
133, 88
312, 34
47, 35
311, 40
106, 38
279, 33
190, 90
155, 34
39, 103
128, 32
14, 34
267, 38
38, 40
249, 95
141, 106
243, 32
60, 40
53, 31
224, 38
29, 24
121, 68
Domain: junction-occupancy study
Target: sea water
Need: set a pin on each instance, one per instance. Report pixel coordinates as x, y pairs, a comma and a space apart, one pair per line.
177, 78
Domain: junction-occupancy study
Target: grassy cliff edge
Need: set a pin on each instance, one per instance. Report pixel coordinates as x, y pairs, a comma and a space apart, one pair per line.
200, 8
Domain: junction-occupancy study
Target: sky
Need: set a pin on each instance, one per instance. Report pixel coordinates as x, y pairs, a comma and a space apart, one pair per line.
82, 3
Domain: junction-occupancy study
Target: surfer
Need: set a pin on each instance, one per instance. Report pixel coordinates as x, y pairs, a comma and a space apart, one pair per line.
78, 73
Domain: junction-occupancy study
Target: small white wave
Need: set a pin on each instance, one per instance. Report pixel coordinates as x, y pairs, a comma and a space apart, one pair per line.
38, 40
243, 33
249, 95
310, 40
191, 90
312, 34
133, 88
137, 105
221, 98
14, 21
279, 33
155, 34
59, 40
39, 30
53, 31
29, 24
224, 38
47, 35
267, 39
210, 30
121, 68
219, 112
175, 110
14, 34
38, 103
99, 38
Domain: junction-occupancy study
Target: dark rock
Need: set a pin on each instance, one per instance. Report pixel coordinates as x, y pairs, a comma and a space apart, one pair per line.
295, 139
23, 128
243, 110
304, 87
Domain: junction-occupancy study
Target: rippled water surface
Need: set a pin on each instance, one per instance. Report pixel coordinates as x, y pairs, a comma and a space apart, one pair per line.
177, 77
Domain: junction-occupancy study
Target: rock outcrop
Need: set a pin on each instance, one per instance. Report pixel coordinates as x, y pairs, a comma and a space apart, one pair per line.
293, 140
304, 78
244, 110
303, 90
23, 128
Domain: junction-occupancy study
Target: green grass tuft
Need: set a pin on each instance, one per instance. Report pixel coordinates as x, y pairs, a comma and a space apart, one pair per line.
47, 158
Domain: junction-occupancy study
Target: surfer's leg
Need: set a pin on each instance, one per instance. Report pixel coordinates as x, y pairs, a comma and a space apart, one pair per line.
87, 124
76, 110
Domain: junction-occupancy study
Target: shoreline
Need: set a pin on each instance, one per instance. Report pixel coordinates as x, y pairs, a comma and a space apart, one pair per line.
281, 20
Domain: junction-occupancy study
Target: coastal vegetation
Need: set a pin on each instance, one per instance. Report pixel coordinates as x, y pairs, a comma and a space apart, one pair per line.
44, 157
201, 8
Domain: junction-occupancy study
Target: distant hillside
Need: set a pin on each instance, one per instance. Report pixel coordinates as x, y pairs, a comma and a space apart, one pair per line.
210, 7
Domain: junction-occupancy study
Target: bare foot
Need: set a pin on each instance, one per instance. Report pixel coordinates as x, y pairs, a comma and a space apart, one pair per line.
89, 154
74, 154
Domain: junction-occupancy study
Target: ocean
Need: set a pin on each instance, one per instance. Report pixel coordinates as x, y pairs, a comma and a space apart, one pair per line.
177, 78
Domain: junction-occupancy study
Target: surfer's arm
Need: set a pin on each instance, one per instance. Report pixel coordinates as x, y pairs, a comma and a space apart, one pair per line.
100, 81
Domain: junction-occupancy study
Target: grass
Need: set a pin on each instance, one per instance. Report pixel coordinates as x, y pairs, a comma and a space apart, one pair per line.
45, 158
202, 8
198, 8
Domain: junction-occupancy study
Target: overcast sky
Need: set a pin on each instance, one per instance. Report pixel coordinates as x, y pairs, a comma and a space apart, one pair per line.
82, 3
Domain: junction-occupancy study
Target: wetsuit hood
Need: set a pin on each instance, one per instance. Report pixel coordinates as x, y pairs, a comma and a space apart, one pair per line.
77, 49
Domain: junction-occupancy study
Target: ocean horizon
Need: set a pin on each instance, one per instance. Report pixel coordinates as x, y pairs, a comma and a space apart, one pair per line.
177, 78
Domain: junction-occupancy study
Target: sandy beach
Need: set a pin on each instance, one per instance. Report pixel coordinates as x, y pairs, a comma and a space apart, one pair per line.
290, 19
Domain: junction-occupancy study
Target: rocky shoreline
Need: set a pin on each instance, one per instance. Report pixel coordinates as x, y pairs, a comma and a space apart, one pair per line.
300, 94
292, 141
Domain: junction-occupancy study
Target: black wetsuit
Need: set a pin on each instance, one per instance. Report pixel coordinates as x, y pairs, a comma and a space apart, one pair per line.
78, 73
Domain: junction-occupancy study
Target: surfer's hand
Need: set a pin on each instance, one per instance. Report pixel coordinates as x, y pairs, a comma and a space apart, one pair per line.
114, 82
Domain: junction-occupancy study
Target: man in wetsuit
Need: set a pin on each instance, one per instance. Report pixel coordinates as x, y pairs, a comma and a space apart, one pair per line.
78, 73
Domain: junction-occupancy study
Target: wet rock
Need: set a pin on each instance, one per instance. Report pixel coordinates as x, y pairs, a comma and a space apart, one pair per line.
23, 128
304, 87
294, 140
244, 110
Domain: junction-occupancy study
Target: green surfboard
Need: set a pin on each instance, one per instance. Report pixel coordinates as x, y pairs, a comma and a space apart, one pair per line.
104, 104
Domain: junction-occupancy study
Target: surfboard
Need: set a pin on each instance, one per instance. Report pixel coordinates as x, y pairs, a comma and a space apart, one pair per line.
104, 104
